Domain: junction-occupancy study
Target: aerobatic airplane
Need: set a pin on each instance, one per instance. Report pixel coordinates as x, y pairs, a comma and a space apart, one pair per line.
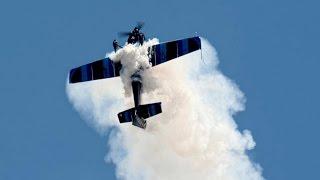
158, 54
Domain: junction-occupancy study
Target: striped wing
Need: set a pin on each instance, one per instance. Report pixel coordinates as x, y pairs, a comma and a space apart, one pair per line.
164, 52
101, 69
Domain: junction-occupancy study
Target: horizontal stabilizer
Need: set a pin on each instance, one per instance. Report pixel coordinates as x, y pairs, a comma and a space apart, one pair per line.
145, 111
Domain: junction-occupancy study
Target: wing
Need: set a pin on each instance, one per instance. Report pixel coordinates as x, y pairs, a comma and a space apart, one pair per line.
164, 52
101, 69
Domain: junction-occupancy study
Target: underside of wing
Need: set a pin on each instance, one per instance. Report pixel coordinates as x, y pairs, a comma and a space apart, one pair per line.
164, 52
101, 69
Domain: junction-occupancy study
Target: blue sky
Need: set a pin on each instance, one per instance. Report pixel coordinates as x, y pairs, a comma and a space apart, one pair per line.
269, 48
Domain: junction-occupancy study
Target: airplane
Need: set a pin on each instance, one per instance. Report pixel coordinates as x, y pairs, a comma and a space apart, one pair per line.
157, 54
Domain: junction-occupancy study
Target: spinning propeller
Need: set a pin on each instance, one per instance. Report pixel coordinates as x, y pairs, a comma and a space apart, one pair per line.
127, 33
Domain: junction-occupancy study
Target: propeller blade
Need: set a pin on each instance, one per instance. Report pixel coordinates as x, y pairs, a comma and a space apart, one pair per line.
124, 34
140, 25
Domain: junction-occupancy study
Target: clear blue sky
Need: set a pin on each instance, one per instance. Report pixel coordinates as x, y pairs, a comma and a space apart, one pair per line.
269, 48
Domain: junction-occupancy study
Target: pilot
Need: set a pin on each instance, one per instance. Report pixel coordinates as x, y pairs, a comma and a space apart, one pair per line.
116, 45
135, 36
135, 31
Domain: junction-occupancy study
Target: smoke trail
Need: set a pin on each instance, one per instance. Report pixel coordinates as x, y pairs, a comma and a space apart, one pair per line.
194, 138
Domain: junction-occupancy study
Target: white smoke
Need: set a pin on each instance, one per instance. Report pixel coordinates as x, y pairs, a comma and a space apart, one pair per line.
195, 137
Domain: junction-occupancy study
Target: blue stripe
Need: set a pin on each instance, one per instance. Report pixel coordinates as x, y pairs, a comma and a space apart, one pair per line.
152, 110
161, 50
127, 116
183, 47
86, 73
108, 70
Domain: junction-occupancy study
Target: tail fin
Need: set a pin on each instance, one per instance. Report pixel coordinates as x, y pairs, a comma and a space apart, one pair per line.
145, 111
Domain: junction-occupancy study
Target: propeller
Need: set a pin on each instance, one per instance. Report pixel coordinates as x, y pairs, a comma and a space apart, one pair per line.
139, 25
124, 34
